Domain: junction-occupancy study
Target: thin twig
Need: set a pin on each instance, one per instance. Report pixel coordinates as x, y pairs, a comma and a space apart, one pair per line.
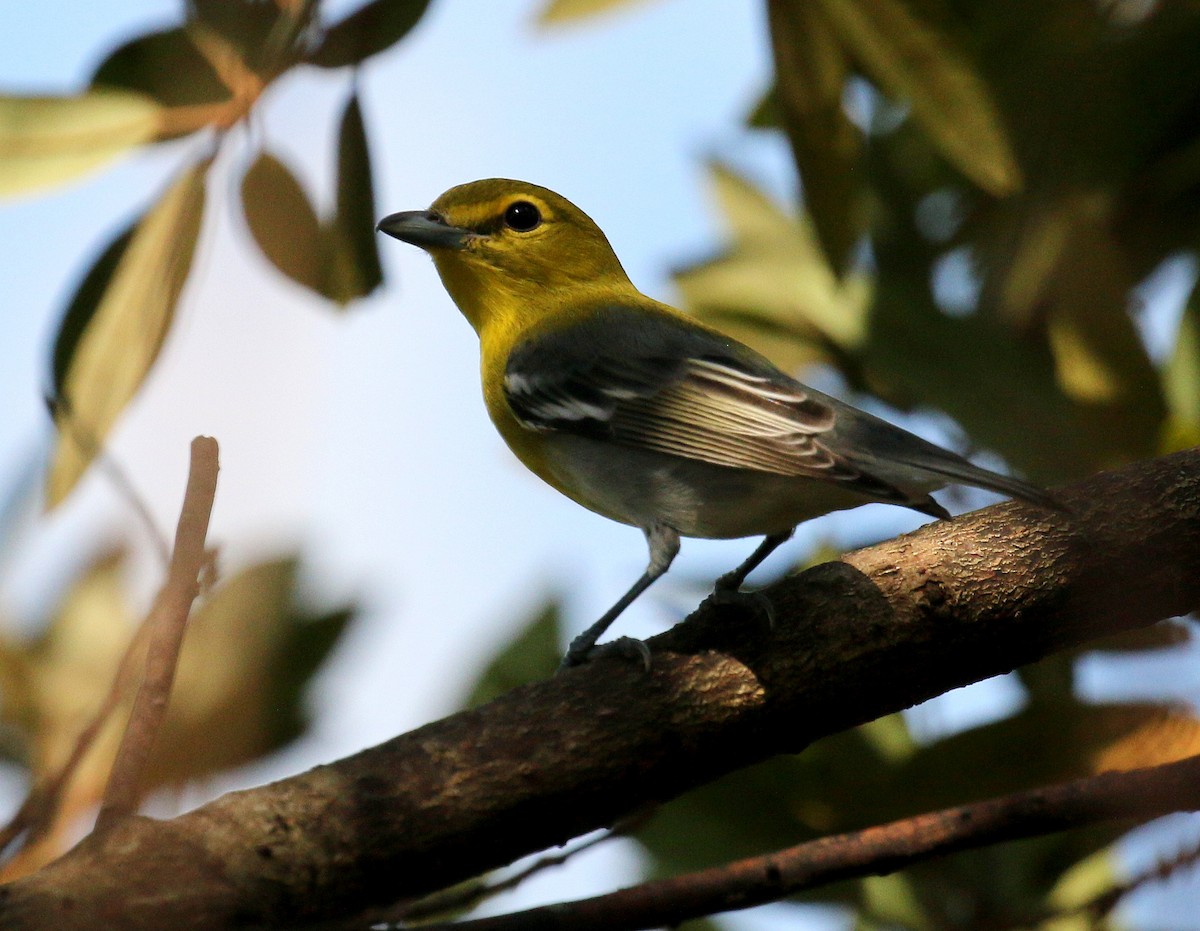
166, 624
470, 894
1100, 908
461, 898
1135, 795
67, 423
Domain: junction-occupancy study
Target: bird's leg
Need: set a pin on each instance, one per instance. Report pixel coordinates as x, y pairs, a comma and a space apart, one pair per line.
663, 542
728, 587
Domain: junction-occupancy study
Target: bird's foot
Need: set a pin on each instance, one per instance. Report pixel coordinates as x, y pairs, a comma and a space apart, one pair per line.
583, 651
755, 603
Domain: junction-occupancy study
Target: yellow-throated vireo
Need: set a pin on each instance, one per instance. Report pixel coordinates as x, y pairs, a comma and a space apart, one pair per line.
639, 412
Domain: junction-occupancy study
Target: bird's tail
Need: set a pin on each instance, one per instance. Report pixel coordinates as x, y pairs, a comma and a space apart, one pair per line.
960, 470
924, 464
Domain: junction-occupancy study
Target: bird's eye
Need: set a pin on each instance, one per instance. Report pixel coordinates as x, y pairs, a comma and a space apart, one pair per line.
522, 216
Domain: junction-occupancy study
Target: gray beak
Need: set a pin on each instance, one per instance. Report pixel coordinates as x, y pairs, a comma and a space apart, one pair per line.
424, 228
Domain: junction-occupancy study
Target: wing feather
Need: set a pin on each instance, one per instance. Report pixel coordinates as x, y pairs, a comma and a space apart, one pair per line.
679, 391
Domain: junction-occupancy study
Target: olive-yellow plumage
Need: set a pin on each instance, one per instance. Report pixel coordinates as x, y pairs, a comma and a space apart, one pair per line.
639, 412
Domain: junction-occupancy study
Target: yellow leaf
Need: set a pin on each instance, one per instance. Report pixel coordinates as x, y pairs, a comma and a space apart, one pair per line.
559, 12
124, 334
774, 286
1083, 883
45, 141
913, 59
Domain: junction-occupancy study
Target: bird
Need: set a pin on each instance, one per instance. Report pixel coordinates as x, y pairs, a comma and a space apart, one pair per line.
643, 413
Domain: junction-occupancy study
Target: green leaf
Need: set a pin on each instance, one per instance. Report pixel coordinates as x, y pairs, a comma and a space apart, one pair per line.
369, 30
895, 902
1181, 374
126, 327
561, 12
765, 113
913, 58
165, 66
810, 75
46, 141
283, 222
352, 247
533, 655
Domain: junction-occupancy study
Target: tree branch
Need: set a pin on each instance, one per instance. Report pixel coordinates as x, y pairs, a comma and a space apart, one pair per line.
1136, 795
882, 629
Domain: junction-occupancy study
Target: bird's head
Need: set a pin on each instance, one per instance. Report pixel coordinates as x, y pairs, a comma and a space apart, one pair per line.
500, 245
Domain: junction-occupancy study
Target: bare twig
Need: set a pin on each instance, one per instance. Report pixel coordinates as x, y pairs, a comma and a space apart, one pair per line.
166, 624
1100, 908
461, 898
1135, 795
67, 423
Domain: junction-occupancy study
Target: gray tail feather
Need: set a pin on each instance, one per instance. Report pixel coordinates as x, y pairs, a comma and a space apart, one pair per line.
960, 470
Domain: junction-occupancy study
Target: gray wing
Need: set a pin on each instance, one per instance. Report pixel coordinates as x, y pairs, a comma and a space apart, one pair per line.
662, 385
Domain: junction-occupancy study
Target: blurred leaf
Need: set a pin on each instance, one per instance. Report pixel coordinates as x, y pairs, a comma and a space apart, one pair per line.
46, 141
699, 924
839, 783
893, 901
84, 304
1059, 740
765, 114
534, 654
774, 285
53, 687
810, 76
852, 780
126, 328
560, 12
1082, 884
1181, 374
248, 657
283, 222
915, 59
261, 33
372, 28
300, 657
337, 259
166, 66
1038, 243
247, 661
1100, 359
352, 251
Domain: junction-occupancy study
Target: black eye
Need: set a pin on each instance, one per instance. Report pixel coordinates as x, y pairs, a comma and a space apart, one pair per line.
522, 216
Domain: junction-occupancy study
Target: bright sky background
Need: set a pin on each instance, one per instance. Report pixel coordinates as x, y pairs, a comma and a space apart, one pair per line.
361, 438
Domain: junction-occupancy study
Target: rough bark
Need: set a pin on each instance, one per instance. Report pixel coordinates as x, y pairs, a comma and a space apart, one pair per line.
880, 630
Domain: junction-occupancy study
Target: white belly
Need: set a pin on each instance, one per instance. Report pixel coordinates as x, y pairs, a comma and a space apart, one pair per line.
642, 488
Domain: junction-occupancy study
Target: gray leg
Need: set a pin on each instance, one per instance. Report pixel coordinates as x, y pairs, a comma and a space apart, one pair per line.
728, 591
732, 581
664, 545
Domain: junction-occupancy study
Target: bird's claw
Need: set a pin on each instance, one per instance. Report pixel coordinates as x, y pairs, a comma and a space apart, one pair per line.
629, 648
750, 602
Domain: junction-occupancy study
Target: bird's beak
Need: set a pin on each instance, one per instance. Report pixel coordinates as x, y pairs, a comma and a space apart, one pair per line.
424, 228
